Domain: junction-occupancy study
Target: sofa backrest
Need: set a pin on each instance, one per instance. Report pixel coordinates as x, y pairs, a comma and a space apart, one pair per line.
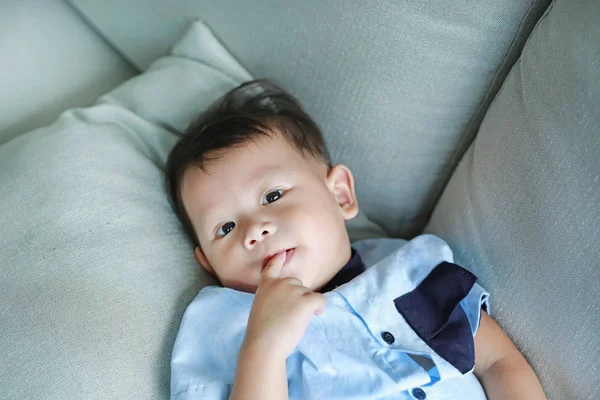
522, 210
398, 87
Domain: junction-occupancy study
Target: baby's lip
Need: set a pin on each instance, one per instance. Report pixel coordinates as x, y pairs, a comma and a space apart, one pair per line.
288, 256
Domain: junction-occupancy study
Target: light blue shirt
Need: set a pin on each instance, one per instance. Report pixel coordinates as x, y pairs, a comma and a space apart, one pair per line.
411, 299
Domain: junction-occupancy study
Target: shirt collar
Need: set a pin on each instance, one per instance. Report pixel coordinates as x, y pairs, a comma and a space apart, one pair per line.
351, 270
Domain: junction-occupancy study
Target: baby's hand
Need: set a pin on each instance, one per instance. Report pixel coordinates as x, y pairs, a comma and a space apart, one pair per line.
281, 310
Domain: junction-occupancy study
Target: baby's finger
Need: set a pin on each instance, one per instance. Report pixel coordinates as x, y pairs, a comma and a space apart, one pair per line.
273, 268
296, 282
316, 302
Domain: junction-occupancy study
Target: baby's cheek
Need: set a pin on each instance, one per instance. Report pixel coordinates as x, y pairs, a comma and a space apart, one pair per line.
325, 228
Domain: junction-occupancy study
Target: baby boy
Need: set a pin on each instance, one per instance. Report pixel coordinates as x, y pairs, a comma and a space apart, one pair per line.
300, 313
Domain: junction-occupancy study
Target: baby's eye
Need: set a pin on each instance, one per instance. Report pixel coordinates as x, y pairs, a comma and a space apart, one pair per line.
272, 196
225, 228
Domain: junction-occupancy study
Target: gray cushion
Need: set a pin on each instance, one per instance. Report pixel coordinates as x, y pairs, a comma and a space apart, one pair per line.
96, 270
399, 87
51, 61
522, 210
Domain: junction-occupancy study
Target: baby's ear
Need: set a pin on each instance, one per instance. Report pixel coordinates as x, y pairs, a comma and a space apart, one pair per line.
204, 261
341, 183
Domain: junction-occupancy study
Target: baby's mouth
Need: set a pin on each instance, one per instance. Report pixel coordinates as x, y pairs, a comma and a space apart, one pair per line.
289, 253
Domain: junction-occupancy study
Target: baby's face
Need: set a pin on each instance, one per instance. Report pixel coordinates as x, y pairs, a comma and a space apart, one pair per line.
263, 198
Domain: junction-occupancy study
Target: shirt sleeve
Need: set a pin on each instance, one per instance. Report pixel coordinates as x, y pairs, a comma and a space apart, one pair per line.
476, 300
444, 311
207, 344
209, 392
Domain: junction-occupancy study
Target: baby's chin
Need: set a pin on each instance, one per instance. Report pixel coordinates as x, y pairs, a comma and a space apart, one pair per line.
247, 287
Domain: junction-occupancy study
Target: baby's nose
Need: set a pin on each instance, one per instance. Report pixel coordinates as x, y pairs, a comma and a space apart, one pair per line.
257, 233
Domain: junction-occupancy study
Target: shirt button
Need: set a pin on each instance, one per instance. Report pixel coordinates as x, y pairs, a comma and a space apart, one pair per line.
388, 337
419, 394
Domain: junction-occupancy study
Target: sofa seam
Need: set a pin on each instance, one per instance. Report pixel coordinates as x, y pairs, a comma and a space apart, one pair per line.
470, 132
94, 28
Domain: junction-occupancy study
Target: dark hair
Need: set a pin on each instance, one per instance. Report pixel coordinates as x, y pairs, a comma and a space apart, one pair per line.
251, 110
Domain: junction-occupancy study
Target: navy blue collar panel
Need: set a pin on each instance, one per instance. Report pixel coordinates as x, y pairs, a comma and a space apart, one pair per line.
353, 268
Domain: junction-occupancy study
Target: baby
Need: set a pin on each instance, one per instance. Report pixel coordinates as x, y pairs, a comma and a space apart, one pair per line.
302, 314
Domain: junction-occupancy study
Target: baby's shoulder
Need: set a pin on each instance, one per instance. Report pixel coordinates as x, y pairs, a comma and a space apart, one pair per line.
218, 298
424, 249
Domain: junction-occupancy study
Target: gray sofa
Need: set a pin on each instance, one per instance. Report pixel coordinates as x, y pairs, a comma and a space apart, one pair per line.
478, 121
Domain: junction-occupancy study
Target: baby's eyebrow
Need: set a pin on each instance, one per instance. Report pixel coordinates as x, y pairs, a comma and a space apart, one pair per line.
208, 223
260, 173
257, 176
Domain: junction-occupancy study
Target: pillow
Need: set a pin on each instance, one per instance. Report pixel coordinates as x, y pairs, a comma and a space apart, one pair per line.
51, 60
522, 210
398, 87
96, 269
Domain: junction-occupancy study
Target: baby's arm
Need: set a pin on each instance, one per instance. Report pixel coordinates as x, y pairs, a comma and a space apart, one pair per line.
500, 367
280, 314
260, 374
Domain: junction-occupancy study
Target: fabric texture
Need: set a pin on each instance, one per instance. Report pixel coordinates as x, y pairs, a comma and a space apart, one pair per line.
96, 269
433, 311
522, 210
398, 87
358, 348
51, 61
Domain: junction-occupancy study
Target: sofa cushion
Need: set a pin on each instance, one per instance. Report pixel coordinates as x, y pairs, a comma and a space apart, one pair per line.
522, 210
96, 269
51, 61
399, 87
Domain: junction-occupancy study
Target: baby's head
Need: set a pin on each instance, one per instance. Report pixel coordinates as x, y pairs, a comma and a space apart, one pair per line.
251, 178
